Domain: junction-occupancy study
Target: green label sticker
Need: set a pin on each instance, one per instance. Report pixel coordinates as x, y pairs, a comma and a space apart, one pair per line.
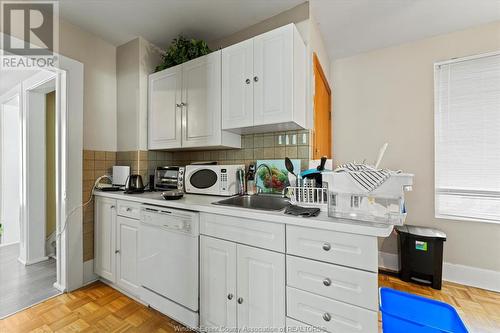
421, 246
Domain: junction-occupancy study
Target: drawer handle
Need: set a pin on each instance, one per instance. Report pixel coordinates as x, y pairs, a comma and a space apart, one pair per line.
240, 300
230, 296
327, 316
327, 282
327, 247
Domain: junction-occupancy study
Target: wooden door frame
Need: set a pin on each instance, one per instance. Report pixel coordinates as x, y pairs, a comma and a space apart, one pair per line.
317, 68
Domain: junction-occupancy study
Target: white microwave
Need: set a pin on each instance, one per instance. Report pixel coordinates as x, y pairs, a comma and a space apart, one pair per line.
212, 179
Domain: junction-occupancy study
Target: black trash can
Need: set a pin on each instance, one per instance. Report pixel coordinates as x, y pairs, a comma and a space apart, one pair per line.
421, 254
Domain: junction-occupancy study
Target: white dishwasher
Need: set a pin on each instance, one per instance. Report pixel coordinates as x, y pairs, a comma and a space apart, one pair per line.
168, 262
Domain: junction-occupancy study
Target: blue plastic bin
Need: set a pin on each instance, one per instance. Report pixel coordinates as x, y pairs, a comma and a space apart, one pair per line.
408, 313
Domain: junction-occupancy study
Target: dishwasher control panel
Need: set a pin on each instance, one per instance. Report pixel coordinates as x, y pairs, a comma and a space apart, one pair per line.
171, 219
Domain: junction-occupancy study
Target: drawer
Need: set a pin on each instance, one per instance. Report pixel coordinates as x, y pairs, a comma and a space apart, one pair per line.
345, 249
341, 283
261, 234
129, 209
333, 316
293, 325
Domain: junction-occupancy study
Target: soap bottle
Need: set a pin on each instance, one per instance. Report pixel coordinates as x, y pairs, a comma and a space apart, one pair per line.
251, 186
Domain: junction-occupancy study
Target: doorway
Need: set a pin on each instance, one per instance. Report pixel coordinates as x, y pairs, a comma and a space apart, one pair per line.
28, 259
322, 140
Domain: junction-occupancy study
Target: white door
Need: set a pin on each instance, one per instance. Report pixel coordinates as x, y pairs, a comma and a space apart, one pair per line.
261, 288
217, 283
105, 238
237, 85
127, 247
164, 111
273, 76
201, 97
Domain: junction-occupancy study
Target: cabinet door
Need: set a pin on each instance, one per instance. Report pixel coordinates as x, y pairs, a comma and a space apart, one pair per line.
127, 239
217, 283
201, 95
237, 85
105, 238
273, 76
261, 288
164, 112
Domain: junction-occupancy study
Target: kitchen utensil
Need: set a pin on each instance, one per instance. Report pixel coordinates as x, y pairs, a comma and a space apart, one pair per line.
381, 155
315, 173
172, 195
290, 169
134, 184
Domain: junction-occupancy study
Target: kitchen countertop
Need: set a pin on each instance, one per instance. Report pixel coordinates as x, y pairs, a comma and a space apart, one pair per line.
203, 203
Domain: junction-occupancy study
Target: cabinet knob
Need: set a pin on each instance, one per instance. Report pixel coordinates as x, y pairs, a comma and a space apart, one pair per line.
256, 78
178, 105
240, 300
129, 209
247, 81
117, 251
112, 207
183, 104
327, 316
327, 282
327, 247
230, 296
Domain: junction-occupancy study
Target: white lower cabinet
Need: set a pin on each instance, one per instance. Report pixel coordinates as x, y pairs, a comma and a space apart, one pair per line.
328, 314
241, 286
116, 238
105, 238
127, 243
217, 283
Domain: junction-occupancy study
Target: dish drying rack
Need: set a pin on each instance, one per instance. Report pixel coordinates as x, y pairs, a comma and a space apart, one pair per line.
308, 196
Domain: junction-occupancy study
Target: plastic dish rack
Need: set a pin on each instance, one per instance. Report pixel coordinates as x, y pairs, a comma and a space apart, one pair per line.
385, 204
306, 196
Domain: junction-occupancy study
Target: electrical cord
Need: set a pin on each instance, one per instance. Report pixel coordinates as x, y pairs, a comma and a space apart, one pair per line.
97, 181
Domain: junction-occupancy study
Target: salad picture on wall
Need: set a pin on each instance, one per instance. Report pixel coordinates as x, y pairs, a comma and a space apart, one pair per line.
278, 179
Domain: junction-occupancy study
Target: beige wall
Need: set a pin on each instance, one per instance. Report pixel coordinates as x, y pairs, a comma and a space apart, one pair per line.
298, 15
387, 96
99, 100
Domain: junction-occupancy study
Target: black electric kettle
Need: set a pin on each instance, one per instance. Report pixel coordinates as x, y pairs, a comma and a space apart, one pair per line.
134, 184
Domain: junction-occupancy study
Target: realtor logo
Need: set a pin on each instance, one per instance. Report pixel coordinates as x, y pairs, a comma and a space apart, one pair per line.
30, 34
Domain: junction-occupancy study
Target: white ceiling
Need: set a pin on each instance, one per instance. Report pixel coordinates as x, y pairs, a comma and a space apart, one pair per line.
159, 21
354, 26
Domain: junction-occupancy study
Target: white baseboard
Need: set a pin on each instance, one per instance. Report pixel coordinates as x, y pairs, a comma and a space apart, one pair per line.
88, 272
466, 275
31, 262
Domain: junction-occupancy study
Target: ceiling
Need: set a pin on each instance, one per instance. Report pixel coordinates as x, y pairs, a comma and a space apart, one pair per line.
350, 27
159, 21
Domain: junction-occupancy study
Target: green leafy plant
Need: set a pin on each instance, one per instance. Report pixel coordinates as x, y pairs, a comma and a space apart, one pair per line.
181, 50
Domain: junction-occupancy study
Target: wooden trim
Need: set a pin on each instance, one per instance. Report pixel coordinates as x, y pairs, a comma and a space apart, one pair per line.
318, 67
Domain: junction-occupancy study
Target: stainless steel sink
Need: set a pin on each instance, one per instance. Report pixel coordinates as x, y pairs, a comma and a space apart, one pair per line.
262, 202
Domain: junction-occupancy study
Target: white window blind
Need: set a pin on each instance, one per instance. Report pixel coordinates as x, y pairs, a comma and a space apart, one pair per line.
467, 139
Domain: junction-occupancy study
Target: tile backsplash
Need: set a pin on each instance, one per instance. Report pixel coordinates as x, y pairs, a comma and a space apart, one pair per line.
278, 145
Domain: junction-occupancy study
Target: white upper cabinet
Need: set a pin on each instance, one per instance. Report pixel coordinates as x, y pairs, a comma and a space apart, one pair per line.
264, 83
237, 87
201, 112
185, 106
164, 111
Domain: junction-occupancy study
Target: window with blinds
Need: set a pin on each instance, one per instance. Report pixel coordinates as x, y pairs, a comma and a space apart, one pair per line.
467, 139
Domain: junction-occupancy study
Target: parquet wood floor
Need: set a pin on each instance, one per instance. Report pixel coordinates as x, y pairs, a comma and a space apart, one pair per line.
479, 308
99, 308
